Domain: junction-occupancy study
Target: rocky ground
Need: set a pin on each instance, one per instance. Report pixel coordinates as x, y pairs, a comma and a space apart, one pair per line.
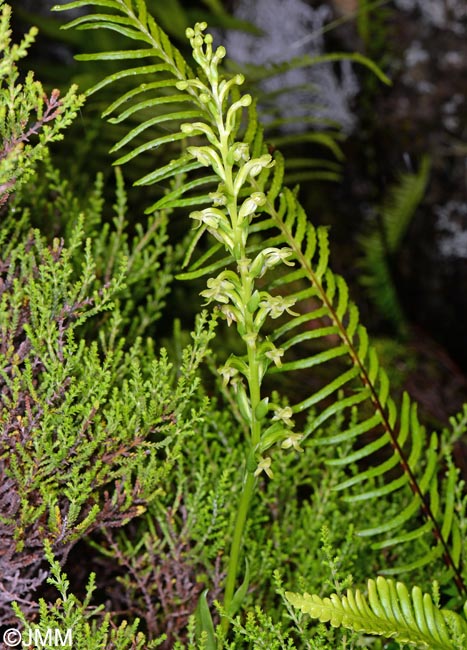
423, 113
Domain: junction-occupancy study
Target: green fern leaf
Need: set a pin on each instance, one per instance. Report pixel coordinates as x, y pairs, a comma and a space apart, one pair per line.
391, 612
391, 426
384, 240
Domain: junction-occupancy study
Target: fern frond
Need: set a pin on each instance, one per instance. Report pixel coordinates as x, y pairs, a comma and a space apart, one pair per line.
403, 200
154, 110
326, 329
390, 611
384, 240
259, 73
390, 437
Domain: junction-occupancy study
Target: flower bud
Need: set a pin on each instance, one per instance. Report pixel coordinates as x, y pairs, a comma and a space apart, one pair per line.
262, 409
220, 52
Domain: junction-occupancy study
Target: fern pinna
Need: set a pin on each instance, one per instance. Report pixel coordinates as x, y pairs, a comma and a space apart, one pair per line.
268, 262
390, 611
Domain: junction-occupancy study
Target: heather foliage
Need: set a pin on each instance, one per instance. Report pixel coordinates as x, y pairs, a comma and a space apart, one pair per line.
29, 118
88, 429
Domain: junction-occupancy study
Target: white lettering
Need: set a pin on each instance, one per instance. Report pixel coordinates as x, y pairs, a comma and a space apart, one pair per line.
52, 637
64, 641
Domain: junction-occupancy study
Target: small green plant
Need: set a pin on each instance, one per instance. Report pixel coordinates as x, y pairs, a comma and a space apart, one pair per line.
76, 622
88, 429
310, 409
29, 119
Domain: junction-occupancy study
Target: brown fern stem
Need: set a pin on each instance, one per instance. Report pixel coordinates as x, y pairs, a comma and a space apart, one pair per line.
425, 508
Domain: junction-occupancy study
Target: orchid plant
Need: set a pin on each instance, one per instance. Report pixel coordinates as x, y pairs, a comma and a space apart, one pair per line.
237, 292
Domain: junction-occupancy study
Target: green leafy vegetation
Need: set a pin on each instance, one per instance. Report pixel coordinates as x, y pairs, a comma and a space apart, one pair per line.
211, 481
390, 612
384, 239
29, 120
